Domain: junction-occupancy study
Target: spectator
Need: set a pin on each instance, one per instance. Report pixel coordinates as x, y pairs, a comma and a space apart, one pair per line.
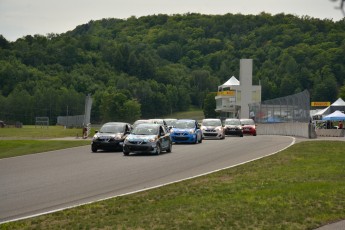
340, 125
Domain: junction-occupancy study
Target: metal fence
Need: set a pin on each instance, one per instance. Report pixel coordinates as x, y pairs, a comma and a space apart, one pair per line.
292, 108
78, 120
71, 121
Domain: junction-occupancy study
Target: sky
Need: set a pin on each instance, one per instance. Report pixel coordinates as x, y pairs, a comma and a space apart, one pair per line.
19, 18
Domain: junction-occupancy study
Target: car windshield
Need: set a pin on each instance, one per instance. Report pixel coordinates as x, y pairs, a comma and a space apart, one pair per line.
211, 123
247, 122
112, 129
145, 130
170, 122
157, 121
232, 122
185, 124
140, 122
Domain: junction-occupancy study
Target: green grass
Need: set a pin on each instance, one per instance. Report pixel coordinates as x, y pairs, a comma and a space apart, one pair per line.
12, 148
30, 139
299, 188
192, 113
32, 132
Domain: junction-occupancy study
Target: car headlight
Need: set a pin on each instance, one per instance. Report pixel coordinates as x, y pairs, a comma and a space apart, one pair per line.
218, 129
118, 137
95, 137
153, 139
125, 141
191, 131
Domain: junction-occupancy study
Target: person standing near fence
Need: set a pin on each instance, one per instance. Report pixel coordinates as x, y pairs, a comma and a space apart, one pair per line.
84, 132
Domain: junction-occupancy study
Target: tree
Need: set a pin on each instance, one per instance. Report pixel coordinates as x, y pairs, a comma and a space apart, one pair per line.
111, 105
168, 63
325, 90
19, 107
130, 111
210, 105
4, 44
342, 92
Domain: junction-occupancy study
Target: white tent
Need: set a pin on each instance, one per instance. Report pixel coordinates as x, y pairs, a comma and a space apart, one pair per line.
320, 112
231, 82
339, 102
337, 105
335, 116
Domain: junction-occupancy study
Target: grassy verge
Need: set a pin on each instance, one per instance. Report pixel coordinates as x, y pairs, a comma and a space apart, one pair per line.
192, 113
299, 188
32, 132
11, 148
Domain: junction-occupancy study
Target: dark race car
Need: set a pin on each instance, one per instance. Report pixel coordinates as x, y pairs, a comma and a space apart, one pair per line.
233, 126
110, 136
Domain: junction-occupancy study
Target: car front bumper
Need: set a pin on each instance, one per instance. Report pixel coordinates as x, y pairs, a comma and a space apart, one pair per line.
183, 138
139, 146
107, 144
212, 134
233, 131
249, 131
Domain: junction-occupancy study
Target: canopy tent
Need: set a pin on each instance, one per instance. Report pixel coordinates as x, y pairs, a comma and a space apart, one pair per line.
335, 116
339, 102
231, 82
337, 105
321, 112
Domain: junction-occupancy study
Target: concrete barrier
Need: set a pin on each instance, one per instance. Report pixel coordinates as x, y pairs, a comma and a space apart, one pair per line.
330, 132
298, 129
287, 129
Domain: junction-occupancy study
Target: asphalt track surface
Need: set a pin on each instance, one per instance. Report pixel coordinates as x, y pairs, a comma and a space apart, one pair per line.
46, 182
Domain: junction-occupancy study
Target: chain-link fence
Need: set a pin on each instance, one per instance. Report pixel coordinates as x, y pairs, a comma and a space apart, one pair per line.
292, 108
78, 120
71, 121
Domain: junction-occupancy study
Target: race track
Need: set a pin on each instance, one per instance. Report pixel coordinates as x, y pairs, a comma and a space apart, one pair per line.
40, 183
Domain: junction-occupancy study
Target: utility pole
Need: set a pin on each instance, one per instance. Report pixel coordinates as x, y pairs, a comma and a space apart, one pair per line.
67, 117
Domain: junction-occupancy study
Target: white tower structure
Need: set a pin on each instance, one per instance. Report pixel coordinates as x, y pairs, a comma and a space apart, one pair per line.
233, 97
88, 106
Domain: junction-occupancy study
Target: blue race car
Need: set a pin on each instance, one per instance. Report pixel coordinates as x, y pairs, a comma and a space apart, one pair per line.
186, 131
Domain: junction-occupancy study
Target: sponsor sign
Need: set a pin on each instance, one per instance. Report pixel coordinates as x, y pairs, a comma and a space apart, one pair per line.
320, 103
227, 93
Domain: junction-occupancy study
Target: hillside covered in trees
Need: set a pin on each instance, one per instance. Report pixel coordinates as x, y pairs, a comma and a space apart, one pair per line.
154, 65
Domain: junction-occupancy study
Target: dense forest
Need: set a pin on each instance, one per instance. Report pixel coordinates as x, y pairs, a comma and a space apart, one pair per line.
155, 65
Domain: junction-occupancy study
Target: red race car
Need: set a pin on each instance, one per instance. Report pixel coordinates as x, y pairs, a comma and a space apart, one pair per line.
248, 126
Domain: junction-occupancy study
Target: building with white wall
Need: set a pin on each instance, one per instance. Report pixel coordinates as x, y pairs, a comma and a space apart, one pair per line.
234, 96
